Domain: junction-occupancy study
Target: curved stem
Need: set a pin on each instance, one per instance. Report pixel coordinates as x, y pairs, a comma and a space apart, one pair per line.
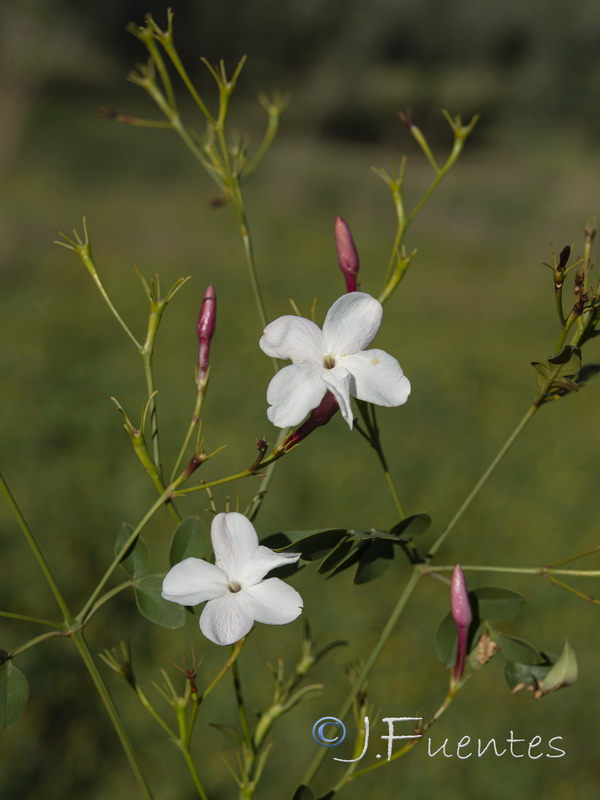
36, 640
369, 664
36, 550
91, 602
106, 597
483, 480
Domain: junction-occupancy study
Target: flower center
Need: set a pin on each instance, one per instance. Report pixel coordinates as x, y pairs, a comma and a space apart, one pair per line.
234, 587
329, 362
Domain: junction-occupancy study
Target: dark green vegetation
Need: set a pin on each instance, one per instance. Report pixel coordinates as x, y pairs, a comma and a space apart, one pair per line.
475, 308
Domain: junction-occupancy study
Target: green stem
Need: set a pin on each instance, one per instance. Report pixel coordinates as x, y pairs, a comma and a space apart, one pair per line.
192, 426
27, 618
482, 481
193, 772
36, 551
87, 658
176, 61
106, 597
238, 203
237, 683
36, 640
237, 649
254, 507
84, 251
371, 435
91, 602
247, 473
147, 354
457, 148
542, 571
366, 670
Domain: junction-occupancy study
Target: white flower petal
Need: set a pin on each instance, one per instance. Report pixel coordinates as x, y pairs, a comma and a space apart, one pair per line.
377, 378
295, 338
293, 392
227, 619
273, 602
234, 541
351, 323
193, 581
339, 380
264, 560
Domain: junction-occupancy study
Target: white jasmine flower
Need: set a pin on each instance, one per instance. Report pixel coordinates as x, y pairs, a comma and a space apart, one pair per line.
331, 359
234, 587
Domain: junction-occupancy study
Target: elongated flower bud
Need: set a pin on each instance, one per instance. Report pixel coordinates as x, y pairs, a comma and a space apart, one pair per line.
206, 328
318, 416
346, 252
462, 616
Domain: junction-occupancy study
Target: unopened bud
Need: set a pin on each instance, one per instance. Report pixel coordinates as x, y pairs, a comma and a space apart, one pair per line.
462, 616
563, 258
346, 252
206, 328
318, 416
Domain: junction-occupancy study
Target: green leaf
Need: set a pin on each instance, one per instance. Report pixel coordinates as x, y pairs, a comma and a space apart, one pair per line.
348, 562
445, 641
156, 608
563, 673
496, 604
410, 527
229, 731
137, 558
337, 555
528, 674
314, 545
518, 650
560, 369
187, 541
568, 360
375, 558
14, 693
373, 533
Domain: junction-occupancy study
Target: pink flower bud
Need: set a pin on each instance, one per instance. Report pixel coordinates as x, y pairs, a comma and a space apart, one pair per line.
318, 416
206, 329
462, 616
346, 252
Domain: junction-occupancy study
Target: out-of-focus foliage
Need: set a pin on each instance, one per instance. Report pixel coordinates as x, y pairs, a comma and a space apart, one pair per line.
475, 310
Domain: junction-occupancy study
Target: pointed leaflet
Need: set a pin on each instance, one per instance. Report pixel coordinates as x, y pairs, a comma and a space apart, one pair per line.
188, 540
14, 693
563, 673
518, 650
156, 608
375, 558
555, 377
136, 559
410, 527
496, 604
522, 676
312, 545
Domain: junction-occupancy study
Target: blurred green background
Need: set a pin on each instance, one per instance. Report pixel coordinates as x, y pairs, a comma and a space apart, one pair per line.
476, 307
